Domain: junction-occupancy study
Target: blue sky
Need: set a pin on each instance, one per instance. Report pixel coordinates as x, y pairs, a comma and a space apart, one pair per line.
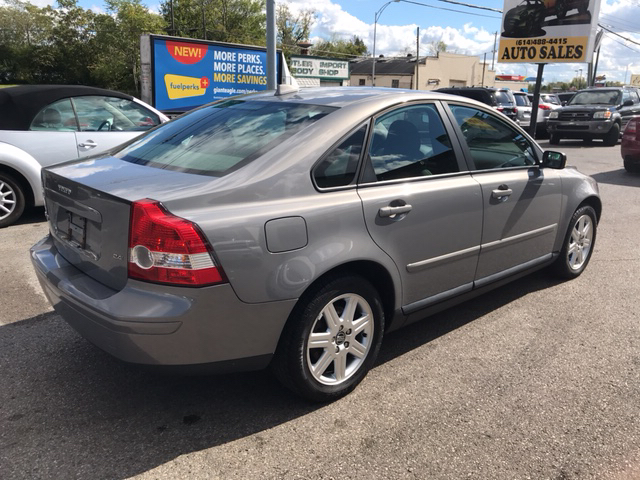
469, 31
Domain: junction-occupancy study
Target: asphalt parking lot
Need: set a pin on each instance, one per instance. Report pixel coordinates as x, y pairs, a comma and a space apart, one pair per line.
539, 379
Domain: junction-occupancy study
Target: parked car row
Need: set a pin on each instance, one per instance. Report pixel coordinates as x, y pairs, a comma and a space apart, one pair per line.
42, 125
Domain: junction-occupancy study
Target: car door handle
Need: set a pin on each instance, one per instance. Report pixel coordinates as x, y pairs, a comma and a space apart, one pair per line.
88, 144
501, 193
392, 211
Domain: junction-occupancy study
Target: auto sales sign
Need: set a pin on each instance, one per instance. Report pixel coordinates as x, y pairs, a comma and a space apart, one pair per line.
548, 31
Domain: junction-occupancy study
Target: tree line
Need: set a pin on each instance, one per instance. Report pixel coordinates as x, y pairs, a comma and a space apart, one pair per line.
68, 44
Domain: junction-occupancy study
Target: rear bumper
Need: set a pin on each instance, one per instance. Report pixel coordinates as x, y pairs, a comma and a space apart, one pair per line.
162, 325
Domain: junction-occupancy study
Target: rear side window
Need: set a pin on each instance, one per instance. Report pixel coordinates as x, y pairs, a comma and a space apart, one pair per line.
339, 167
220, 138
411, 142
58, 117
522, 100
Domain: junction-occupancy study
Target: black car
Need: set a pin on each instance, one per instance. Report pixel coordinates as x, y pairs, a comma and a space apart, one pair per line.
594, 113
499, 98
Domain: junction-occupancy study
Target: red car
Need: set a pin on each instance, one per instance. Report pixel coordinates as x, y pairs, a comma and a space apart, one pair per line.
630, 147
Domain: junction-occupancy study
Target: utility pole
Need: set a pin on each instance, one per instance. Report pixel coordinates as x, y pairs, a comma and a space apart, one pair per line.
493, 54
271, 45
484, 66
417, 59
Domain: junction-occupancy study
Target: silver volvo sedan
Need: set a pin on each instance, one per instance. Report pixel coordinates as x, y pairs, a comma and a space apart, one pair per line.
293, 230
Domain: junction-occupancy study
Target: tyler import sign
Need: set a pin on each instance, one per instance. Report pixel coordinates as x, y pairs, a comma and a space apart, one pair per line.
180, 74
548, 31
317, 67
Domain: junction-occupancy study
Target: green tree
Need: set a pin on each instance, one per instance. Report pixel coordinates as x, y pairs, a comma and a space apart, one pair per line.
233, 21
437, 46
116, 62
340, 48
292, 29
25, 31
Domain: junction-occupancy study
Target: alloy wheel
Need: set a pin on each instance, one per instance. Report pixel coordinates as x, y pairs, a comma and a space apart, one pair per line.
7, 200
580, 242
340, 339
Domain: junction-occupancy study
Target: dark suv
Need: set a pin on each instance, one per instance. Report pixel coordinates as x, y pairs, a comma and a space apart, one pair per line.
594, 113
499, 98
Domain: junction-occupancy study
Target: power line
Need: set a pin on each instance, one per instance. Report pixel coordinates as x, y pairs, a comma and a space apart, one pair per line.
468, 5
451, 9
617, 34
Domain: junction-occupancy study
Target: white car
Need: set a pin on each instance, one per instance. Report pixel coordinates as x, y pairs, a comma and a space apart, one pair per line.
45, 124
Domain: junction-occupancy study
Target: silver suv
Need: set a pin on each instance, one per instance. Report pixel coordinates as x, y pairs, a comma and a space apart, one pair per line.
295, 230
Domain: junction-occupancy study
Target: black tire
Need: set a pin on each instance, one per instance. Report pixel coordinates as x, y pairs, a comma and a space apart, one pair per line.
578, 244
554, 139
611, 138
294, 358
12, 200
631, 167
561, 9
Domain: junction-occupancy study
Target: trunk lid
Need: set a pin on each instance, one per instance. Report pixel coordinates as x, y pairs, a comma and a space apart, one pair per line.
88, 206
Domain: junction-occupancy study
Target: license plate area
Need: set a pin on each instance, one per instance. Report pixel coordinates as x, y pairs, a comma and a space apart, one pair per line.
77, 230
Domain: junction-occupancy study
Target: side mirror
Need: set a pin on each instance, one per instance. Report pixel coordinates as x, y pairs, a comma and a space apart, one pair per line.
556, 160
628, 103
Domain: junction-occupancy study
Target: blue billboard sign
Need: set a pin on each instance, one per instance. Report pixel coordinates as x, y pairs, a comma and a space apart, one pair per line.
188, 73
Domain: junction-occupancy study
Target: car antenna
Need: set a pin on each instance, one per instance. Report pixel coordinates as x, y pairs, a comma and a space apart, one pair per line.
283, 89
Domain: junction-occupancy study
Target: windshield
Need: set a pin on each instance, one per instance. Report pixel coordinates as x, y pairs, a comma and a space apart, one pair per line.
220, 138
603, 97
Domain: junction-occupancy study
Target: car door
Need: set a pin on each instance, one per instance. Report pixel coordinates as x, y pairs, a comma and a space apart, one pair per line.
521, 201
421, 205
105, 122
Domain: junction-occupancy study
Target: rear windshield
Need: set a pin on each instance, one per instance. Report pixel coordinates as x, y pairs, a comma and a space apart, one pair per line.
602, 97
503, 98
522, 100
220, 138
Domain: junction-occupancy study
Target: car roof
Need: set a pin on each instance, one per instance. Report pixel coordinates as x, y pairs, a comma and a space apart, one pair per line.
346, 96
18, 105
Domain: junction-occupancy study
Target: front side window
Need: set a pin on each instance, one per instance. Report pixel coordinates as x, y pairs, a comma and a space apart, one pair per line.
492, 142
57, 116
220, 138
100, 113
411, 142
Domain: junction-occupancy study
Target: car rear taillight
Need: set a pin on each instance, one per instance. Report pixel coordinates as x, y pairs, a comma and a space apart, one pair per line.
515, 109
544, 107
632, 126
167, 249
